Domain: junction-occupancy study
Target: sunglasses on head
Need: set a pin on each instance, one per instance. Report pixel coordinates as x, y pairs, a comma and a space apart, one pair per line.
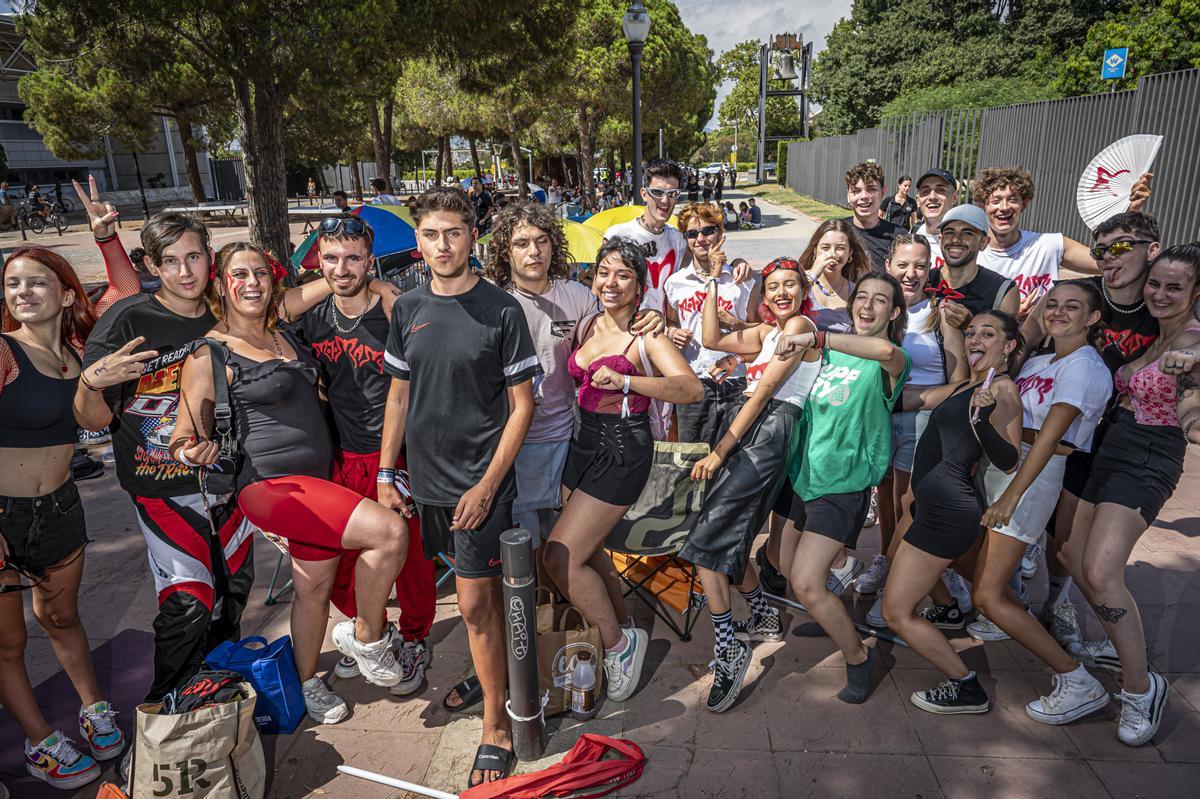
780, 263
664, 194
707, 230
351, 225
1117, 248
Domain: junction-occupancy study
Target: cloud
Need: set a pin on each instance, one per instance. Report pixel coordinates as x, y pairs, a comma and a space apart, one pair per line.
727, 22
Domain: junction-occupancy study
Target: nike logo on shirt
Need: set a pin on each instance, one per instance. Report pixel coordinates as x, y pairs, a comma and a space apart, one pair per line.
414, 328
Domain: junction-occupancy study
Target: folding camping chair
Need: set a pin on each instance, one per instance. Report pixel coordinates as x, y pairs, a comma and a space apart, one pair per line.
654, 530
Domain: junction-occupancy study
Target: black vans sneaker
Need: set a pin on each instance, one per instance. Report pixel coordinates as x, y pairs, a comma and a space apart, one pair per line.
954, 696
729, 669
773, 581
944, 617
760, 627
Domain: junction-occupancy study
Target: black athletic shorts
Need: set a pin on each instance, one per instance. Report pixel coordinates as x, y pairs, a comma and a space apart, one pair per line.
476, 552
43, 531
836, 516
1138, 466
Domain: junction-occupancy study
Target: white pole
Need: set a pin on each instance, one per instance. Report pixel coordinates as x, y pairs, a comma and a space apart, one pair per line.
395, 783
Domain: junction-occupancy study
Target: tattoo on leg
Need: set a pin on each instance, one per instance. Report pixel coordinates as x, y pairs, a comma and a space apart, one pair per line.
1110, 615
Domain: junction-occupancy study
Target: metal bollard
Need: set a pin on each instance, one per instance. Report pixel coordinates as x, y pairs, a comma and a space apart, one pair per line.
524, 701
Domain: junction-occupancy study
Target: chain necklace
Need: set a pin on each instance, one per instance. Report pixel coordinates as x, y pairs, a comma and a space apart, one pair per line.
335, 313
642, 222
1112, 304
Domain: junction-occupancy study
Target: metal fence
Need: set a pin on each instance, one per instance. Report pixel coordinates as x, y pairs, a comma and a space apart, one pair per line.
1054, 140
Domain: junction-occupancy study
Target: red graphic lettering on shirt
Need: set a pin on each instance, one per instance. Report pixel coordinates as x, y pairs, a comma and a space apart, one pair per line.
1042, 385
1127, 341
1028, 284
755, 371
1104, 179
356, 352
661, 270
695, 303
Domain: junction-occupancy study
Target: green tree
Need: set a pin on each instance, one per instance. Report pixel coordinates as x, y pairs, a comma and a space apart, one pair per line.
970, 94
740, 65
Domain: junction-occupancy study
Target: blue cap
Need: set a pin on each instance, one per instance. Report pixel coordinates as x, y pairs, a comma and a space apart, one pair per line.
937, 173
973, 215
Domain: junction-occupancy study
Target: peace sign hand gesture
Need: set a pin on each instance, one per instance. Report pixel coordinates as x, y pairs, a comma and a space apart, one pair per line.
119, 366
102, 216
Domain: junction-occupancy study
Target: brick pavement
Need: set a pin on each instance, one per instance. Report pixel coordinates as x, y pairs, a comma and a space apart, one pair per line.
786, 737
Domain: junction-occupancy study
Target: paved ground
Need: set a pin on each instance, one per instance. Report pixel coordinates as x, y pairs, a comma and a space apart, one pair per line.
787, 736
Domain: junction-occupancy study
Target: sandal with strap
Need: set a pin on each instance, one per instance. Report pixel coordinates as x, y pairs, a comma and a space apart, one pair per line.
489, 757
470, 694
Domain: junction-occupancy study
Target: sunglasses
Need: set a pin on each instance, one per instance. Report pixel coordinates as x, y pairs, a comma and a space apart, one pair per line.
351, 225
780, 263
9, 588
707, 230
664, 194
1117, 248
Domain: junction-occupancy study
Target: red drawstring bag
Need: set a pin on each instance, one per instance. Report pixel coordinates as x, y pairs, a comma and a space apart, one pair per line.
583, 767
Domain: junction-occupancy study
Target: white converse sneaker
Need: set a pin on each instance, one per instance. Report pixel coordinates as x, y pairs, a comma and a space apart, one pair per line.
982, 629
840, 579
958, 589
376, 661
872, 579
1142, 713
623, 670
1030, 560
322, 704
1075, 695
414, 659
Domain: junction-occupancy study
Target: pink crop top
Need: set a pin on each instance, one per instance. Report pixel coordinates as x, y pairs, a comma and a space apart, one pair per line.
1153, 395
603, 400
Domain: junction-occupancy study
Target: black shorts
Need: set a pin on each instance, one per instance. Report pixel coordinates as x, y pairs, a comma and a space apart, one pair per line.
704, 422
836, 516
610, 457
43, 531
1079, 464
476, 552
1138, 466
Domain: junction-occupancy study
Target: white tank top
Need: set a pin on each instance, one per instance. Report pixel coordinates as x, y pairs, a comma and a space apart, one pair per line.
795, 389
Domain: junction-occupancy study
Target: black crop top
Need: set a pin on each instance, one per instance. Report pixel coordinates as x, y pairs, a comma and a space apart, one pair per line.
36, 410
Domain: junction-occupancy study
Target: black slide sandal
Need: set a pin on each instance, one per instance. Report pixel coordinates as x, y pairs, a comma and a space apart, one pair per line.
489, 757
469, 691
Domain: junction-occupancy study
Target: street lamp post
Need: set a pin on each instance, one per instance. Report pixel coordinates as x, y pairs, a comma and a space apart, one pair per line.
636, 25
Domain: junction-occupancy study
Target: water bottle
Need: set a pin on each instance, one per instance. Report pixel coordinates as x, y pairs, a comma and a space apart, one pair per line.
583, 687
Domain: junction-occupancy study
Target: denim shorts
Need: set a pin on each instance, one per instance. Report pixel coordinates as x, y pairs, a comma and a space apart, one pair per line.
907, 427
43, 531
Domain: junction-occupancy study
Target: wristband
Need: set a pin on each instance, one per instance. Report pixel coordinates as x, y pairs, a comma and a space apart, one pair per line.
625, 387
737, 356
385, 476
107, 239
821, 340
87, 384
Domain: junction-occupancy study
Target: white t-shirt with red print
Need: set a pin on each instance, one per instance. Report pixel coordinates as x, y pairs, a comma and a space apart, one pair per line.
665, 255
686, 292
936, 261
1032, 262
1081, 380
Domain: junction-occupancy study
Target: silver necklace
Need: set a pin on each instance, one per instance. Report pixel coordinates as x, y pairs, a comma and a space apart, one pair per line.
1112, 304
335, 313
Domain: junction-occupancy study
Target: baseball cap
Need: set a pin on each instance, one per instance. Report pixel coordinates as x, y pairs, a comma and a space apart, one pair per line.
937, 173
973, 215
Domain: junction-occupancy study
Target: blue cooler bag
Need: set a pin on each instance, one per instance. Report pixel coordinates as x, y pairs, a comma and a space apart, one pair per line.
271, 669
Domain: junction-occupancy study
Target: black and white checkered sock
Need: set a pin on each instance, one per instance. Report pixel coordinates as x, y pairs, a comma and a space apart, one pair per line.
758, 605
722, 630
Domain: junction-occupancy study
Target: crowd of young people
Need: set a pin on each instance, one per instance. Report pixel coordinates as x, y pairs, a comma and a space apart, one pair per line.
369, 431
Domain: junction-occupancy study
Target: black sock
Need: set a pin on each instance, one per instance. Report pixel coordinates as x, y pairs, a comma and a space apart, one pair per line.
722, 630
858, 680
758, 605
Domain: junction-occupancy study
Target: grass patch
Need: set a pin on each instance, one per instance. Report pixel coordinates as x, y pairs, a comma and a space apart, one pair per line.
781, 195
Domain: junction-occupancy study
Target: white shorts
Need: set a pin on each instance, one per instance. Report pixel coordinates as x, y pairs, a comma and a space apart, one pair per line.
1037, 505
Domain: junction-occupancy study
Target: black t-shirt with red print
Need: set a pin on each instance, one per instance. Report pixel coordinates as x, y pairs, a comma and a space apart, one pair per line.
1128, 330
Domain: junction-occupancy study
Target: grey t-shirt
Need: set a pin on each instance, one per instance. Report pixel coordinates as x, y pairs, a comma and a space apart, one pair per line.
460, 354
553, 318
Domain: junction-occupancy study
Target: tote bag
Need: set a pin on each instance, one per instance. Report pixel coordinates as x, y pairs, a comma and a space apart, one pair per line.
271, 669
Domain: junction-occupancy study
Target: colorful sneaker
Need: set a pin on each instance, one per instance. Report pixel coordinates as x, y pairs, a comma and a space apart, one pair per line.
953, 697
870, 581
1142, 713
840, 579
958, 589
729, 670
376, 660
58, 762
322, 704
944, 617
98, 727
414, 659
760, 627
773, 581
1063, 623
1030, 560
1075, 695
982, 629
624, 669
1100, 655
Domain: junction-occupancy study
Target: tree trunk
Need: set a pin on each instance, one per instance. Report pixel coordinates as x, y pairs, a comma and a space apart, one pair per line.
449, 155
587, 147
437, 170
475, 159
186, 136
389, 108
381, 155
514, 142
356, 177
260, 129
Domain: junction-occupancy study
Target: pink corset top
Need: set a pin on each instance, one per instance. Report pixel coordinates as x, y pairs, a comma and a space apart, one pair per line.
602, 400
1153, 395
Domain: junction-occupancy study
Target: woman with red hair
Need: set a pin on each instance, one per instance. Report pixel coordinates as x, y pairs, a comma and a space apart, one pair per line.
42, 531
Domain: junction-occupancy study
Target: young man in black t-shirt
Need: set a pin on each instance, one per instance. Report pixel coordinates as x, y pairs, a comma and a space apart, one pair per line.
864, 194
463, 365
962, 280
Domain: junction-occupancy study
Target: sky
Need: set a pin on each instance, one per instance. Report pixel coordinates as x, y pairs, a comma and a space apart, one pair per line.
727, 22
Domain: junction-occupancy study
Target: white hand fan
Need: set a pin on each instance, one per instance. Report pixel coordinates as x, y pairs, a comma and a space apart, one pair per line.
1104, 186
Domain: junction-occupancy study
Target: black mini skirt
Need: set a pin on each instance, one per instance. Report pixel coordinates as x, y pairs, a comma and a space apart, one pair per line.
610, 457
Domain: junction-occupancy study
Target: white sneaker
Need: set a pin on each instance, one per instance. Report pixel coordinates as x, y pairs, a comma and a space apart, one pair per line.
982, 629
1060, 618
875, 614
347, 667
625, 669
414, 659
873, 578
840, 579
958, 589
1142, 713
322, 704
376, 661
1030, 560
1099, 655
1075, 695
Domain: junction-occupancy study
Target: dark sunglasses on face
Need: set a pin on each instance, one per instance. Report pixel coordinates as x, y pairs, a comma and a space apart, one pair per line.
707, 230
1117, 248
664, 194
